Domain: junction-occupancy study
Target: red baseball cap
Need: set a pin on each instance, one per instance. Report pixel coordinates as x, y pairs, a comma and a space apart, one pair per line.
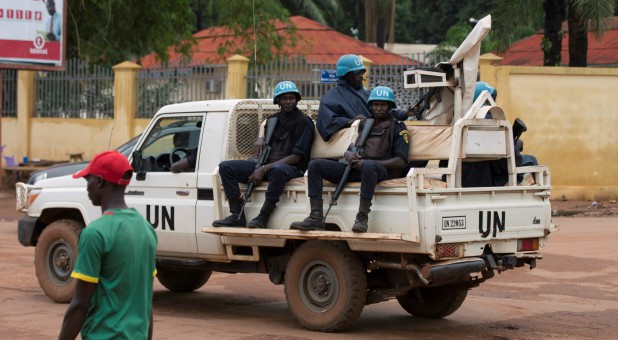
111, 165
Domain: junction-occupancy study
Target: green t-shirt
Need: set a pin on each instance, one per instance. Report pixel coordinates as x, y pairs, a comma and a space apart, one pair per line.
117, 252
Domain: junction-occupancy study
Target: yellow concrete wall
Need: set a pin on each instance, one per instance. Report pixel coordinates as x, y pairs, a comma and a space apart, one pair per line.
10, 138
572, 120
55, 138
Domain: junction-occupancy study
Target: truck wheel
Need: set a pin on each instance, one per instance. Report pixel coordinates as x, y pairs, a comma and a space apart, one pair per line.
325, 286
436, 303
54, 259
183, 280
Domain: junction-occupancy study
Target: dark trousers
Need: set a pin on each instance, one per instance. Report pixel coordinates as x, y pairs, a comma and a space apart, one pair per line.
370, 174
234, 172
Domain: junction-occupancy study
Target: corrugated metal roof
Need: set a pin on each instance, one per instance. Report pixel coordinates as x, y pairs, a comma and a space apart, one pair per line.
527, 52
318, 43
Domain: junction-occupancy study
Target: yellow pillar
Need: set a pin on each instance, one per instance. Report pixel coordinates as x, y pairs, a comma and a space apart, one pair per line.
493, 74
125, 102
367, 63
488, 67
237, 68
26, 99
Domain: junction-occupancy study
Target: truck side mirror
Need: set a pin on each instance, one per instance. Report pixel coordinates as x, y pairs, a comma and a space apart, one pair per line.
138, 165
136, 160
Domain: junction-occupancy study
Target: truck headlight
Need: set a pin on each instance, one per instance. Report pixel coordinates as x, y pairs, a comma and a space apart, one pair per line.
25, 196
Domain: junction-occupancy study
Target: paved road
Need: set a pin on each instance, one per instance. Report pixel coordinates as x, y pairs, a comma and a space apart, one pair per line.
572, 294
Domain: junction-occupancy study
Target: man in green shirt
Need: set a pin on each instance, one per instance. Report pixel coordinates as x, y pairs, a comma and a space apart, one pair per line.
116, 261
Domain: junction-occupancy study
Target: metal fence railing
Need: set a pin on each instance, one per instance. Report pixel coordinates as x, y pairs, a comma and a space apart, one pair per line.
86, 91
169, 84
261, 79
9, 93
307, 76
82, 91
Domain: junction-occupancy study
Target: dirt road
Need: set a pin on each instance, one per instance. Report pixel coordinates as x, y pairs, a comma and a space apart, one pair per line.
572, 294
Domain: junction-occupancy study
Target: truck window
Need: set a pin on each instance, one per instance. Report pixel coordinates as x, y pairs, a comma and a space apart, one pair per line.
169, 134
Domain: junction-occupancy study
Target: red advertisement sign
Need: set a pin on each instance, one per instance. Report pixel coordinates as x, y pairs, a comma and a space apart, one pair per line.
32, 34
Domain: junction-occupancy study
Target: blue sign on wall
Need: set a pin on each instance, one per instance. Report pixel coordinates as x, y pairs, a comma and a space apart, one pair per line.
328, 77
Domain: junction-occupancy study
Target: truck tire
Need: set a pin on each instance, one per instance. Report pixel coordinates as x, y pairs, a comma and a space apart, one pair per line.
325, 286
183, 280
54, 259
436, 303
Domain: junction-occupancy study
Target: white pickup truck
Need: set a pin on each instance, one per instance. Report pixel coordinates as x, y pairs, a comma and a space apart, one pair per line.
429, 240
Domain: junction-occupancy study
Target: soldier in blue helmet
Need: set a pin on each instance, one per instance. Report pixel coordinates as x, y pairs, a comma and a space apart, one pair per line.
385, 154
290, 151
494, 172
347, 101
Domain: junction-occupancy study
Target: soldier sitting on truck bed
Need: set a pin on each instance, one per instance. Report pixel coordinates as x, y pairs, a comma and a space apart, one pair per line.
494, 172
347, 102
290, 147
385, 154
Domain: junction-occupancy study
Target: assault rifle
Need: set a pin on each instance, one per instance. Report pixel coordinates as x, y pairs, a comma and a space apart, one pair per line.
357, 148
261, 160
422, 104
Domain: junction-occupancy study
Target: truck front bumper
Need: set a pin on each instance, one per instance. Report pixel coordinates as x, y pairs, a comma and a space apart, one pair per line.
25, 230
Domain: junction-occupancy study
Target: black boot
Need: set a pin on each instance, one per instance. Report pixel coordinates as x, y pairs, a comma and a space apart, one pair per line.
234, 220
362, 217
315, 219
261, 219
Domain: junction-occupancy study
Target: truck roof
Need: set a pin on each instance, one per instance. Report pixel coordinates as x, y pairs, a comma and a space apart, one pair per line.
205, 105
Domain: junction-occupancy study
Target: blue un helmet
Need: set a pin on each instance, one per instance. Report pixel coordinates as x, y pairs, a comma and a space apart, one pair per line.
382, 93
349, 63
285, 87
482, 86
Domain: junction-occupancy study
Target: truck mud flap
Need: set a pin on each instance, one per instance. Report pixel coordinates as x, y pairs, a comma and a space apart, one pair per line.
453, 269
25, 230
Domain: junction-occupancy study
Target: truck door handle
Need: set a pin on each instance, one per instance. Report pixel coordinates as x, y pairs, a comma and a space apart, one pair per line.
182, 192
134, 193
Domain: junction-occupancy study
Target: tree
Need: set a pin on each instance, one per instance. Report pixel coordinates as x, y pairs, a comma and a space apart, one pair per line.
256, 27
582, 15
380, 21
587, 15
427, 21
107, 32
326, 12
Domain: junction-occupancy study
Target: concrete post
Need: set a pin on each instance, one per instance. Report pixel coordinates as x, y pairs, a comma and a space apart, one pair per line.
489, 69
487, 64
125, 102
367, 63
26, 101
237, 68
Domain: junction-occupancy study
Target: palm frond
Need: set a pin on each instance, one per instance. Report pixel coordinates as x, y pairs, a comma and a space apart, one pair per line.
597, 14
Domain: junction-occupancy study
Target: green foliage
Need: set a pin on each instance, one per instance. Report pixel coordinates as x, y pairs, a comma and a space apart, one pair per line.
427, 21
513, 20
597, 13
107, 32
254, 24
326, 12
352, 21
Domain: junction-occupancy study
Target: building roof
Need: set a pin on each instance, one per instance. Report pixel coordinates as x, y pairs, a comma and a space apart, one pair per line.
527, 52
317, 43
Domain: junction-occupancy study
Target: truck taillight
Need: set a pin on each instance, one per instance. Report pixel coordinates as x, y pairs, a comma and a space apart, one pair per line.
449, 250
528, 244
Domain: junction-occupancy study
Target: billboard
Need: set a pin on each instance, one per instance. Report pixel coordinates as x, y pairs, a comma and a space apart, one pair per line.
32, 34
